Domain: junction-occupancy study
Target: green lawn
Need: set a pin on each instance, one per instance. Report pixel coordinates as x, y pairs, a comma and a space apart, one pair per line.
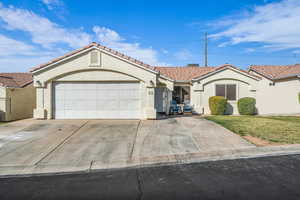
274, 129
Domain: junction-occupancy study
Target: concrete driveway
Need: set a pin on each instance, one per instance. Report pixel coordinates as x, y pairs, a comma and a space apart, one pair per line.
110, 143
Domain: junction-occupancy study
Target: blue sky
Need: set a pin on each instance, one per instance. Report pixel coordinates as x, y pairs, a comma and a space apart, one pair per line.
157, 32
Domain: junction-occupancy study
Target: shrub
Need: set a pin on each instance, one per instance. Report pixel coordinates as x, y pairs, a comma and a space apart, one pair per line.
246, 106
299, 97
217, 105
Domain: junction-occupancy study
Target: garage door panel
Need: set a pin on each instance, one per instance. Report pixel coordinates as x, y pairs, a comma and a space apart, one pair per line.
77, 100
107, 95
60, 114
129, 105
111, 104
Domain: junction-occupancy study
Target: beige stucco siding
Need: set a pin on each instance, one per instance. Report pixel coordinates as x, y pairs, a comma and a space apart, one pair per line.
204, 88
23, 102
110, 68
17, 103
242, 90
3, 103
81, 63
96, 75
281, 98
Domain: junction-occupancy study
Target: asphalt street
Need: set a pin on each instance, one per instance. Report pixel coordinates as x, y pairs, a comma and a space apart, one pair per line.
256, 178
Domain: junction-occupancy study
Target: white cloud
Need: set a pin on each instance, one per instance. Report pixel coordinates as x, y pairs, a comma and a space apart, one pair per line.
48, 40
183, 55
164, 51
249, 50
42, 30
19, 56
21, 64
10, 47
51, 4
275, 25
113, 40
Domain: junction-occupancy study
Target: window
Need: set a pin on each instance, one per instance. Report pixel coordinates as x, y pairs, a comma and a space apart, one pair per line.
226, 90
231, 92
221, 90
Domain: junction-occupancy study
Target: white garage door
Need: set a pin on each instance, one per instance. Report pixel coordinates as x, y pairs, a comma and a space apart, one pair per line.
78, 100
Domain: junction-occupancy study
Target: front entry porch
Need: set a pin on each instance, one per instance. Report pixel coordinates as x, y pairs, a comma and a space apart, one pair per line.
181, 94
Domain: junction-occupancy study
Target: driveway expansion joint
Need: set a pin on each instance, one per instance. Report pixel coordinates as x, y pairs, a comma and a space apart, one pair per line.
61, 143
135, 140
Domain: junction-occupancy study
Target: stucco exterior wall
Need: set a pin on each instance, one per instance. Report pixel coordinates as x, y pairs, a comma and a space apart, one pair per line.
110, 68
281, 98
22, 102
17, 103
242, 90
204, 88
3, 103
96, 75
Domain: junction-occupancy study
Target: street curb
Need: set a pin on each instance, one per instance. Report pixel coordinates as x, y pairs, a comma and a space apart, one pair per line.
246, 153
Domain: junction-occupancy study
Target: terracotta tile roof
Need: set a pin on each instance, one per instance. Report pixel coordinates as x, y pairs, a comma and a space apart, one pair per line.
17, 80
175, 73
93, 44
276, 71
184, 73
189, 73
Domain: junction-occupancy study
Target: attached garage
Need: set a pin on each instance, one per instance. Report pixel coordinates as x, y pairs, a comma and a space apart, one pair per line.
97, 100
96, 82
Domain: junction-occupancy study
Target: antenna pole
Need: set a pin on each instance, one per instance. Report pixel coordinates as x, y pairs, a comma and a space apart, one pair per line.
205, 51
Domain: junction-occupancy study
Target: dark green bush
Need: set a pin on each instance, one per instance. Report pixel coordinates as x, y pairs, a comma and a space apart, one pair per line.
246, 106
217, 105
299, 97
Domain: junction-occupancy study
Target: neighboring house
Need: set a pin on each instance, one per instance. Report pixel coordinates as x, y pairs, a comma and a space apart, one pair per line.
17, 96
278, 91
97, 82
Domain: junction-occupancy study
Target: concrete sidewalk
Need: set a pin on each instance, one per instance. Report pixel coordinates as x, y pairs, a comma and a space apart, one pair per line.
32, 147
56, 169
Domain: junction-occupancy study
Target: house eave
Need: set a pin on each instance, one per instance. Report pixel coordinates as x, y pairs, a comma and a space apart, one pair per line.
166, 78
263, 75
180, 81
35, 71
222, 69
288, 76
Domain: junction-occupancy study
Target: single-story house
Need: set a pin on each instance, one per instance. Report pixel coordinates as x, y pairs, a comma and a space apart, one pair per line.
17, 96
96, 82
278, 90
275, 88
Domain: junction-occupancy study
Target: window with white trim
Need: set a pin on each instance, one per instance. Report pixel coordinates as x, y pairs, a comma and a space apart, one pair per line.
227, 91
